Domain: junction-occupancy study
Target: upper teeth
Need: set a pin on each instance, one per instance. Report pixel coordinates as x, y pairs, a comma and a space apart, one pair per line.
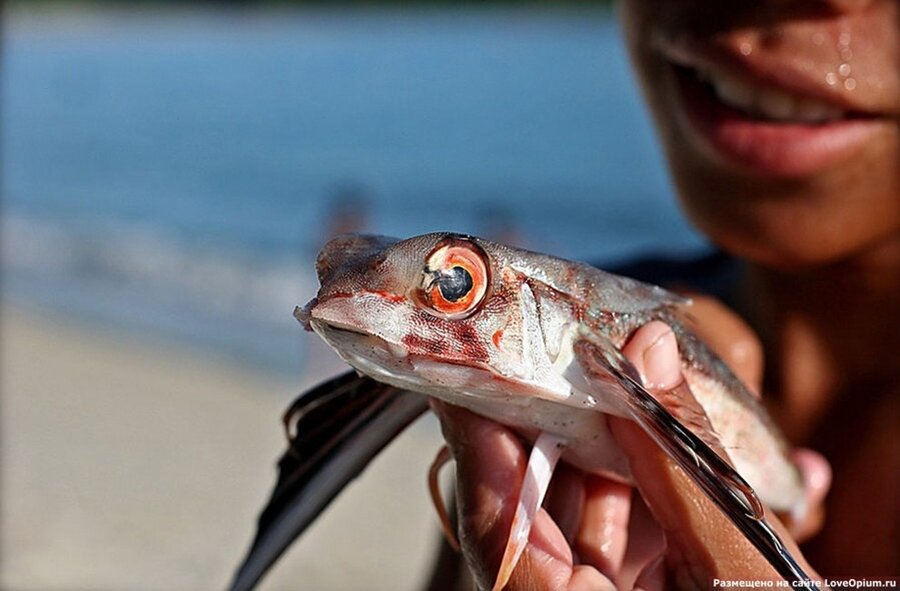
769, 103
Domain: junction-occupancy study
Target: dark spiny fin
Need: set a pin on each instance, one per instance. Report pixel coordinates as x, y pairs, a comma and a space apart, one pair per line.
341, 426
682, 405
715, 477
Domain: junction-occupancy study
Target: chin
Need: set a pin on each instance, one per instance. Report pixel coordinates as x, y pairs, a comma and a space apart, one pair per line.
797, 222
775, 158
794, 241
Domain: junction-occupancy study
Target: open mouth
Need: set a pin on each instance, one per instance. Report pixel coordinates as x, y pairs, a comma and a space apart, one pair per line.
765, 129
760, 113
338, 328
763, 103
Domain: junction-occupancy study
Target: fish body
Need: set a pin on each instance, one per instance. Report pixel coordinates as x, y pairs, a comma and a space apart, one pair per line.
531, 341
510, 358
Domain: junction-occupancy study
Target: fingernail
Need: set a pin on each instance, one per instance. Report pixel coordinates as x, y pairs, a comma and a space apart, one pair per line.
816, 473
662, 365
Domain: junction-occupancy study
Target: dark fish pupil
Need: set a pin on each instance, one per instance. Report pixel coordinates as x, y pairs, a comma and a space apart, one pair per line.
455, 284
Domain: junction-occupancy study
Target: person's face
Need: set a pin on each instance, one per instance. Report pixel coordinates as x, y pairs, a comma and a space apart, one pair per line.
780, 119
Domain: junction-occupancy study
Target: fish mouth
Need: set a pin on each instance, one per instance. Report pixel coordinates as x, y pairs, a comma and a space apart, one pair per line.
345, 330
383, 360
313, 323
304, 314
320, 326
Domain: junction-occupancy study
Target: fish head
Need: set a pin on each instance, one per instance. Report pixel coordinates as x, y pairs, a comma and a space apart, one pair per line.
446, 314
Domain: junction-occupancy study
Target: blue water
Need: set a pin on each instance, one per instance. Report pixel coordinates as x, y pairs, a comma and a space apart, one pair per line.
175, 172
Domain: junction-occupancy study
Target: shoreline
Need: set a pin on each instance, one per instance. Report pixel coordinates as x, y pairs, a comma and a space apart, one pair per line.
142, 464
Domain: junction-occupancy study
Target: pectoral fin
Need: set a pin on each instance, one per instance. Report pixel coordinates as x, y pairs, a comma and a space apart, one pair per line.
544, 456
692, 451
434, 487
333, 431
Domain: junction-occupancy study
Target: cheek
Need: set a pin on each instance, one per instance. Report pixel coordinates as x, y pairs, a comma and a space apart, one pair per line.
651, 72
802, 222
635, 27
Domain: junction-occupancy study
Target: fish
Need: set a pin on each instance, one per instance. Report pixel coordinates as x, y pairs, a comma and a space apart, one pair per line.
531, 341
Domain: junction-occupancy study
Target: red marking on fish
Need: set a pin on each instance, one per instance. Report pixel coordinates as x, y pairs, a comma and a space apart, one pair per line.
496, 338
391, 297
422, 346
472, 345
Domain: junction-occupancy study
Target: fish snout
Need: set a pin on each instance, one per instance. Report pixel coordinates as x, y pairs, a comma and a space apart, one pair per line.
304, 314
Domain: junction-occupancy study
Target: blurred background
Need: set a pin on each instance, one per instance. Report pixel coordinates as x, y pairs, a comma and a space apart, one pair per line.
168, 173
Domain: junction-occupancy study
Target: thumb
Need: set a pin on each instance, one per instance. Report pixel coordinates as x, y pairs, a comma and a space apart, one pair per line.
702, 543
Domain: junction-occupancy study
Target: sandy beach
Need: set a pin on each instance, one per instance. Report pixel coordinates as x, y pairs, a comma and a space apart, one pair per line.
129, 463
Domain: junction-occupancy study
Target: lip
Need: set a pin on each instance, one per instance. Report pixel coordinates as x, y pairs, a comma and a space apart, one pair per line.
765, 147
780, 149
339, 328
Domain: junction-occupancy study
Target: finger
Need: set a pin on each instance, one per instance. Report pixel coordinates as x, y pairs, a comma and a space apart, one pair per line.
653, 350
545, 453
653, 576
490, 463
546, 562
702, 543
602, 538
651, 345
816, 473
565, 500
490, 466
586, 578
646, 542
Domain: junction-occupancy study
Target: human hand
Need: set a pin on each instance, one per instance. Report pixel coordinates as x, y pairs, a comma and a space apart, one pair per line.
579, 539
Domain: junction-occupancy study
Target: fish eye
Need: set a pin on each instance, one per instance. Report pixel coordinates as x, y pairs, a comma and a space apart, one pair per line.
454, 279
455, 284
